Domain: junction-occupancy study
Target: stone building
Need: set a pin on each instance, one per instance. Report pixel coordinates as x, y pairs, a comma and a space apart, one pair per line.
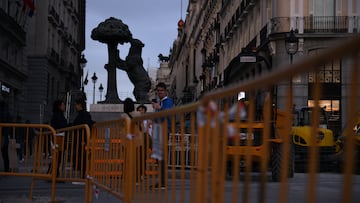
13, 70
162, 75
40, 55
217, 34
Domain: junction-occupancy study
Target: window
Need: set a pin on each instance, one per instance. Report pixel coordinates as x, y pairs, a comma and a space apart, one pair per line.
332, 107
328, 73
324, 8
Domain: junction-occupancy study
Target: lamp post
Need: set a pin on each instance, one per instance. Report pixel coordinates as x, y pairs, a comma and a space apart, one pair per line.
291, 44
82, 63
101, 89
94, 79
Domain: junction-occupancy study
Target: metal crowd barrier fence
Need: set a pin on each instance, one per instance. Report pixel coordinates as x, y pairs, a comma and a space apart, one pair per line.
121, 154
201, 148
195, 152
262, 140
73, 156
172, 164
111, 155
26, 151
182, 145
72, 149
40, 152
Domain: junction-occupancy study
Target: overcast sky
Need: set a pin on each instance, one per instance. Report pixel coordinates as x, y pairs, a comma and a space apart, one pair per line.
154, 22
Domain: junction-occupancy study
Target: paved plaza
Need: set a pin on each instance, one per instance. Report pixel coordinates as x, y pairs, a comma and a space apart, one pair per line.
329, 190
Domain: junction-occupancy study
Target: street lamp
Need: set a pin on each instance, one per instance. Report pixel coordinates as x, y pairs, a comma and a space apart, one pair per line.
94, 79
101, 89
82, 64
291, 44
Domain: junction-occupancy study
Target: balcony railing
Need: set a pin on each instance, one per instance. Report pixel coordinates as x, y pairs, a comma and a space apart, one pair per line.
332, 24
315, 24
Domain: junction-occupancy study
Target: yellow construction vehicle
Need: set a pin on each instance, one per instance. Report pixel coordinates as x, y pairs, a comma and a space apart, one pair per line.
302, 133
342, 138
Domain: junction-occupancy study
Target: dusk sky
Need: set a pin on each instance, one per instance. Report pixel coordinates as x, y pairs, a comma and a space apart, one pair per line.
153, 22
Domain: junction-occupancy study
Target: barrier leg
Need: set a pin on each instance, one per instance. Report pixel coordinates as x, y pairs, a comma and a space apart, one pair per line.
37, 155
53, 176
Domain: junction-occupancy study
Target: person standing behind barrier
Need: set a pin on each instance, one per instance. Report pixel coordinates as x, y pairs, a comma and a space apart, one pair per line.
146, 129
129, 112
58, 121
31, 136
129, 108
147, 126
164, 103
6, 132
20, 134
83, 117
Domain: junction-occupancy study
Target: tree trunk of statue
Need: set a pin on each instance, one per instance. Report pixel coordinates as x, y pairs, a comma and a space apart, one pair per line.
111, 92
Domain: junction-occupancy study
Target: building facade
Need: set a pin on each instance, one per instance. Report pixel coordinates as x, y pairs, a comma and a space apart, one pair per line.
13, 71
41, 54
228, 41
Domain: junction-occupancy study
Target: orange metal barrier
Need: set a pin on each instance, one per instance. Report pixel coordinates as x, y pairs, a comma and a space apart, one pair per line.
72, 148
73, 160
108, 156
30, 152
206, 151
208, 146
40, 152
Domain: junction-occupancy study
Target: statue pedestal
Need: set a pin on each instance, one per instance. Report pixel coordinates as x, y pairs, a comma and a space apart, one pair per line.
107, 112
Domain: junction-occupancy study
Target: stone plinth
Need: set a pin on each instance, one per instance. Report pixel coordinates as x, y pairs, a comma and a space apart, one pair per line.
106, 112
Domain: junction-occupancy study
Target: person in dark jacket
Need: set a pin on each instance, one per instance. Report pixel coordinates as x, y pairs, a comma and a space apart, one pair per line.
58, 121
6, 132
83, 117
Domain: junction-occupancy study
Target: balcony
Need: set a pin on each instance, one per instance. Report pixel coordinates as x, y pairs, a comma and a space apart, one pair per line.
315, 24
326, 24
